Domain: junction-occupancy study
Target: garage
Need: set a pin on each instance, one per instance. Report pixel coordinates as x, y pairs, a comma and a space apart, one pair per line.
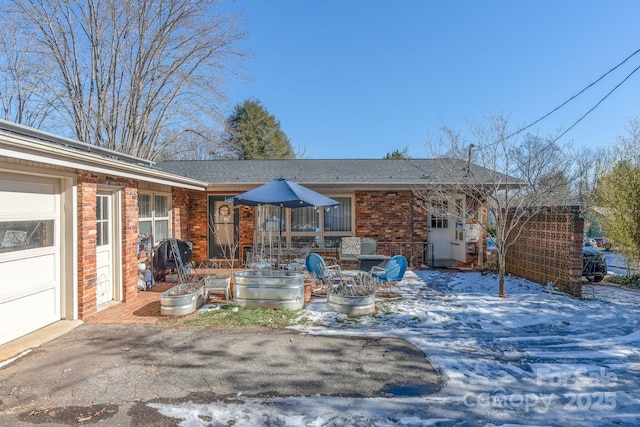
30, 267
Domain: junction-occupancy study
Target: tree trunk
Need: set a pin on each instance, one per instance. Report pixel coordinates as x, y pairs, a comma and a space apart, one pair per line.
501, 274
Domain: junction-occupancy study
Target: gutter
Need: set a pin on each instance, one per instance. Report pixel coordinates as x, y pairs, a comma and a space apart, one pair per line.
68, 142
42, 150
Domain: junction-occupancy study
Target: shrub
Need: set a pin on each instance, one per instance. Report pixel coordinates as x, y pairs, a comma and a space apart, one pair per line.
627, 280
361, 285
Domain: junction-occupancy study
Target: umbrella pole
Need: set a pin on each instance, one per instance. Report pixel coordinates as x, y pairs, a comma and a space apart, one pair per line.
280, 237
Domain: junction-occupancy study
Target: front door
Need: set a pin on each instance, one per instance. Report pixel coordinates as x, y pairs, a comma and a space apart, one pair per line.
104, 248
439, 229
222, 226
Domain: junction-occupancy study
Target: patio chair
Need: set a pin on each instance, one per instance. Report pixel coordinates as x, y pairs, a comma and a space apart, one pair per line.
393, 271
218, 283
318, 268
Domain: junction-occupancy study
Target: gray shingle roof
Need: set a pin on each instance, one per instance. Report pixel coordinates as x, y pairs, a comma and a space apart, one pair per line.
317, 171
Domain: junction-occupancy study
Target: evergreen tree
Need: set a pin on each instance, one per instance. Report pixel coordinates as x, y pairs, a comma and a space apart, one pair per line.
619, 194
397, 154
256, 134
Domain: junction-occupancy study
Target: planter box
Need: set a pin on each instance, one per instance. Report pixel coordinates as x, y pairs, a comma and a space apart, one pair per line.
182, 299
268, 289
351, 305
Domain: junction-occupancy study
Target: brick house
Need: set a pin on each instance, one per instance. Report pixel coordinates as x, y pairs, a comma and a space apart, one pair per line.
69, 220
71, 215
376, 198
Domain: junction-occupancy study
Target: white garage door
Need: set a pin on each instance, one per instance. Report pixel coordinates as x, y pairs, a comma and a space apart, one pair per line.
29, 254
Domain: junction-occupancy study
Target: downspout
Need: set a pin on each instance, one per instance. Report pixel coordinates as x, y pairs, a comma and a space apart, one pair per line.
411, 229
482, 241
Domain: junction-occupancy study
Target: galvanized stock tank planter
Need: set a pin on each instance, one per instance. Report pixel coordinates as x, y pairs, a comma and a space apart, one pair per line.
268, 289
352, 305
354, 297
182, 299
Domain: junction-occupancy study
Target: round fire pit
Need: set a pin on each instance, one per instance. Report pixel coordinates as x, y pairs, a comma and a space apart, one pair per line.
268, 289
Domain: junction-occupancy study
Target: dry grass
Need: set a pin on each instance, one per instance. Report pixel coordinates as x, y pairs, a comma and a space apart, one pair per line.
229, 316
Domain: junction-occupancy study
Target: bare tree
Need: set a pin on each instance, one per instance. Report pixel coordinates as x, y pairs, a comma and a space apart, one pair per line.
513, 176
128, 74
589, 164
225, 234
190, 144
20, 98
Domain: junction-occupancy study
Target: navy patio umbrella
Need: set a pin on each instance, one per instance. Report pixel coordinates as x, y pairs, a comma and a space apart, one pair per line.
284, 193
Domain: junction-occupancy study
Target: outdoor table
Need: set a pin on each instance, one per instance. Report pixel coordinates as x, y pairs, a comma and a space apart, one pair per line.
349, 274
369, 261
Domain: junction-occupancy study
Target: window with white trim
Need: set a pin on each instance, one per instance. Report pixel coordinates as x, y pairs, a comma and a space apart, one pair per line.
153, 215
440, 214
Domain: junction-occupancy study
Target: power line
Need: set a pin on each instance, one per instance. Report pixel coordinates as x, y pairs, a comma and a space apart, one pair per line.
571, 99
597, 104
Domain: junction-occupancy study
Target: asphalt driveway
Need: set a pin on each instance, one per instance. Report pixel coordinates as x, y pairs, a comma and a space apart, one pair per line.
110, 373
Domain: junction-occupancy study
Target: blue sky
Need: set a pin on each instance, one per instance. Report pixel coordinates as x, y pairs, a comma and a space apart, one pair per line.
358, 79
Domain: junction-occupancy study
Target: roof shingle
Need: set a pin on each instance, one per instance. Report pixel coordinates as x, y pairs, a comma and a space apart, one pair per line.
317, 171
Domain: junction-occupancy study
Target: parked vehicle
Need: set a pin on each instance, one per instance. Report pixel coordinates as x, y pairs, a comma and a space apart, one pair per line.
601, 243
594, 265
491, 245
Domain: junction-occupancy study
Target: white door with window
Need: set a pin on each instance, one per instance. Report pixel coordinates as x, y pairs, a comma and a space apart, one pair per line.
440, 233
104, 248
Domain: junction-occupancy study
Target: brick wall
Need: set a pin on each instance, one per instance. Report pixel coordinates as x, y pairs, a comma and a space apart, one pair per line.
383, 215
391, 218
129, 239
87, 280
549, 249
88, 184
386, 216
180, 199
196, 232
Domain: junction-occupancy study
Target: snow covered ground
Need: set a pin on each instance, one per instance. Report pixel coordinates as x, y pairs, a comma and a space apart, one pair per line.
615, 262
534, 358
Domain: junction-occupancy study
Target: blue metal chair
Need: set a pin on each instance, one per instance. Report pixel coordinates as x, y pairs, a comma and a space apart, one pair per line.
317, 267
393, 271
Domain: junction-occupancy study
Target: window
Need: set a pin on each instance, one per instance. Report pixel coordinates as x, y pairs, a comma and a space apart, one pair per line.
338, 218
22, 235
153, 215
305, 220
308, 225
439, 215
102, 220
